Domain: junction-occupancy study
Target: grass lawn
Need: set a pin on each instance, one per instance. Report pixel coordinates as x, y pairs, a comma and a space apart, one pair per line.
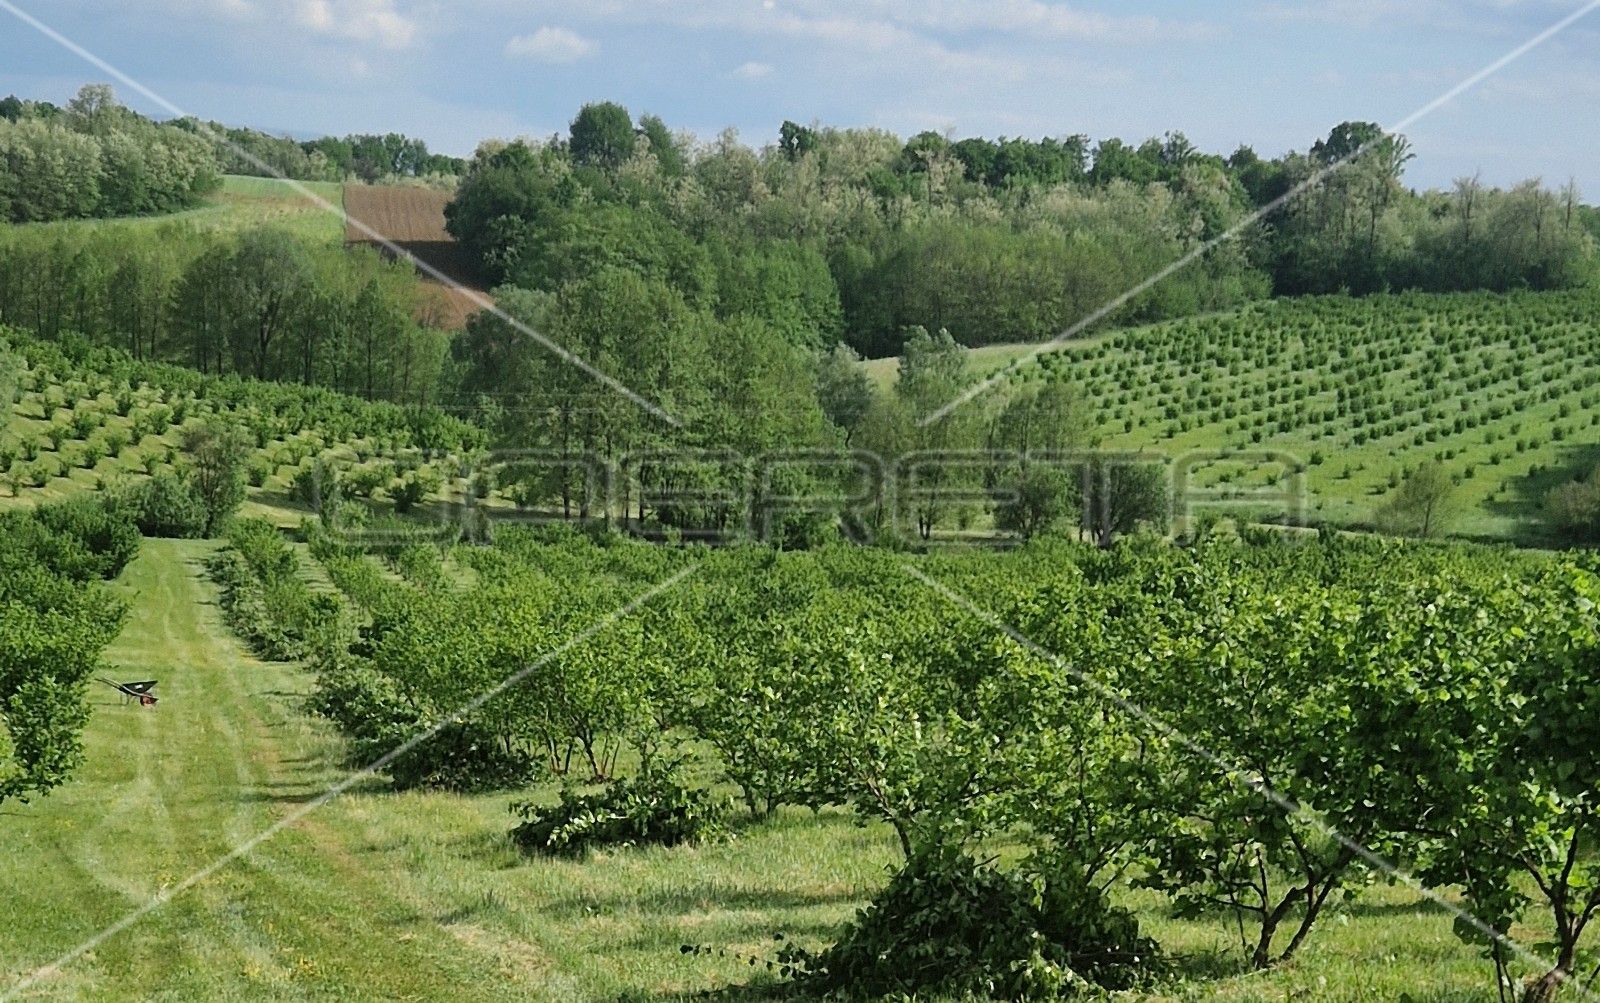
245, 202
981, 362
419, 895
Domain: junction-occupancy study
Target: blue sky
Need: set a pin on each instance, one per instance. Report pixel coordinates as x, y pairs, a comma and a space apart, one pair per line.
1274, 73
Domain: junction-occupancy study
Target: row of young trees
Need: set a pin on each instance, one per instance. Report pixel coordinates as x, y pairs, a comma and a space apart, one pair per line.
1250, 730
996, 242
261, 303
96, 158
55, 620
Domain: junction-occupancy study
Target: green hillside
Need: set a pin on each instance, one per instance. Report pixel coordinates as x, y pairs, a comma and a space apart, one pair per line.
89, 420
1504, 391
245, 202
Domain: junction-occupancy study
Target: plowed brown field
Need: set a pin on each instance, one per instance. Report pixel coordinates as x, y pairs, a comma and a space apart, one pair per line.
413, 219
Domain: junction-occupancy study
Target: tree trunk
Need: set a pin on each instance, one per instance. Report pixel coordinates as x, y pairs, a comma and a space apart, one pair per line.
1549, 985
1546, 988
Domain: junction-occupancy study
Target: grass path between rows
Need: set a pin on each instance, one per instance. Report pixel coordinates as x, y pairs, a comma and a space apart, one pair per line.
163, 792
374, 896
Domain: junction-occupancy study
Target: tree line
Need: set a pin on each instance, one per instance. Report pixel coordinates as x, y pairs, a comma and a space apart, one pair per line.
996, 241
368, 157
261, 303
95, 158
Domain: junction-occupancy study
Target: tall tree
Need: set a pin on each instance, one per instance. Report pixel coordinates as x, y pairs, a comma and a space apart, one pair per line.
1036, 477
843, 389
216, 453
1421, 503
663, 145
270, 279
933, 373
602, 135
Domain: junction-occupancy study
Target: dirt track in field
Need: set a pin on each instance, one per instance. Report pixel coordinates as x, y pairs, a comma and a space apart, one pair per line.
413, 218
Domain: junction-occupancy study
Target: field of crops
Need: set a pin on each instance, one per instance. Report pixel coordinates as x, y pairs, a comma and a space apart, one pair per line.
1381, 692
90, 420
1352, 393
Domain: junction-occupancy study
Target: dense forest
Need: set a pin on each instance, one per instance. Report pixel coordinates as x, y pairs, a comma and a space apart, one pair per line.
855, 234
96, 158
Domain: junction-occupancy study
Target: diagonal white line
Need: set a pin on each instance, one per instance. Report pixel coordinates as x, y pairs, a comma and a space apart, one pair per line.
477, 299
1234, 772
168, 894
1316, 178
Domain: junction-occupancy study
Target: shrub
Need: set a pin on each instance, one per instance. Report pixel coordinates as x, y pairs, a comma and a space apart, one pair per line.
264, 600
364, 480
257, 471
53, 626
1573, 509
165, 506
84, 423
948, 924
316, 487
89, 538
409, 490
420, 564
651, 809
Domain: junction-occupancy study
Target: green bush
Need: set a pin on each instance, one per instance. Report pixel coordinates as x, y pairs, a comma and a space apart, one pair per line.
647, 810
165, 506
87, 538
316, 487
263, 597
948, 924
54, 622
410, 489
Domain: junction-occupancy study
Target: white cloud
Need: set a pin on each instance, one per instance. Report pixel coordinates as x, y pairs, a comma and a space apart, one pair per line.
753, 71
373, 21
1032, 18
551, 45
1482, 17
1028, 18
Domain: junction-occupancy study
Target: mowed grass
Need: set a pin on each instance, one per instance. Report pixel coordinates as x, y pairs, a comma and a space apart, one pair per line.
378, 895
373, 896
243, 202
982, 362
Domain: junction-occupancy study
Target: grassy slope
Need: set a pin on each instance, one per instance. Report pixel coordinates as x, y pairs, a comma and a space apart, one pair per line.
243, 202
378, 895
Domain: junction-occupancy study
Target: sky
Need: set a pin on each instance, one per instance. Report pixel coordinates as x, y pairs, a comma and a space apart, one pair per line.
1275, 74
